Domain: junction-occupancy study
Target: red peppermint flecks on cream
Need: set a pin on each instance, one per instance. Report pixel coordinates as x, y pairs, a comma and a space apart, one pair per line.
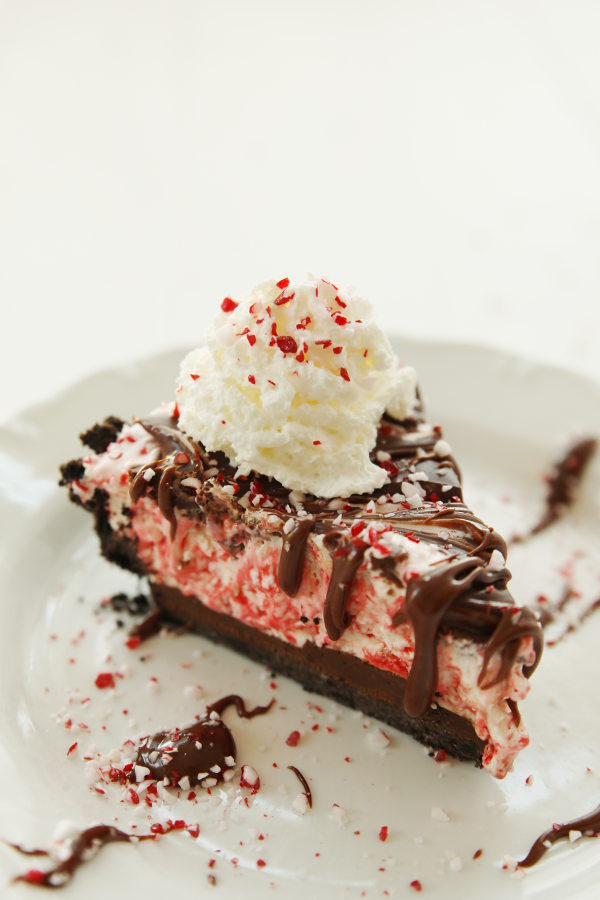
287, 344
416, 885
293, 738
71, 748
105, 680
251, 379
284, 298
228, 305
283, 284
344, 374
251, 339
383, 833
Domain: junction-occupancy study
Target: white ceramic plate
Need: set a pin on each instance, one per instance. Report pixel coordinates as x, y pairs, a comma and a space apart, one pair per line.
505, 417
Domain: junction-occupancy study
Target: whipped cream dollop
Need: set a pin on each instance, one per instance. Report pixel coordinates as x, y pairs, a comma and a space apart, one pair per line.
291, 383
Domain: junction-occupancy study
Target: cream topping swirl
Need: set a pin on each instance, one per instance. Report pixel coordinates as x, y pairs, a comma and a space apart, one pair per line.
291, 383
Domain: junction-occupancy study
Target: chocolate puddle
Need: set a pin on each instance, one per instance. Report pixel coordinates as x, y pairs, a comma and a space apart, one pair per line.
563, 485
589, 826
203, 752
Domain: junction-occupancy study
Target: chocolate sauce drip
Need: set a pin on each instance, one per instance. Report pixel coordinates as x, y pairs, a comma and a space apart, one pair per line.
387, 565
514, 625
182, 459
202, 751
303, 782
563, 484
346, 560
427, 599
165, 497
291, 561
588, 825
83, 847
491, 541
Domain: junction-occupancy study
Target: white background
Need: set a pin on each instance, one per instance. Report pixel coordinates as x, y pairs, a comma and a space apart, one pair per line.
155, 156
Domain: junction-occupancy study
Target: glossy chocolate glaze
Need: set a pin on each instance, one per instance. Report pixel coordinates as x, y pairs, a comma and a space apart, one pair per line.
563, 484
291, 561
588, 825
203, 752
515, 624
427, 599
304, 784
346, 560
463, 595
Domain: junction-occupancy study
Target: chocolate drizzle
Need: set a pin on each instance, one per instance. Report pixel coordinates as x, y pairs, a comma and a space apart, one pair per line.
515, 624
303, 782
219, 707
85, 845
182, 458
459, 594
427, 599
291, 561
346, 561
588, 825
563, 484
203, 752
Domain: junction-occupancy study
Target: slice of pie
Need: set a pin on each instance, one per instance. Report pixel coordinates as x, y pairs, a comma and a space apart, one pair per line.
392, 600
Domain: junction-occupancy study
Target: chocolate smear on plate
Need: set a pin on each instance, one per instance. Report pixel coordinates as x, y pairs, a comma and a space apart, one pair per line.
585, 826
564, 483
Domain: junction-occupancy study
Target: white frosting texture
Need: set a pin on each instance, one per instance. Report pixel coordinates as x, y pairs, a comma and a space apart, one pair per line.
291, 383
